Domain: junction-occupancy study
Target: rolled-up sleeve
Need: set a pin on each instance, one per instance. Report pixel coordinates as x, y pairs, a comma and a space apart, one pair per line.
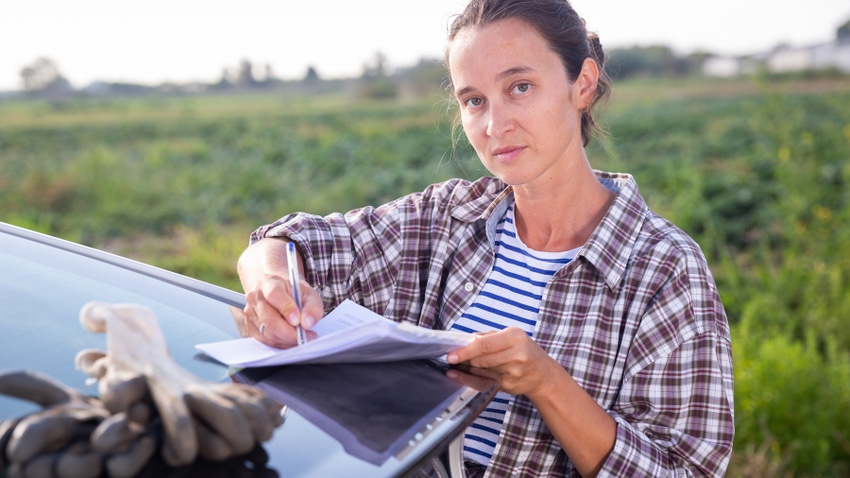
679, 417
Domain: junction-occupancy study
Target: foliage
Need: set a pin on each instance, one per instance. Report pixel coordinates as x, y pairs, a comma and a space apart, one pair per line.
793, 395
757, 172
648, 61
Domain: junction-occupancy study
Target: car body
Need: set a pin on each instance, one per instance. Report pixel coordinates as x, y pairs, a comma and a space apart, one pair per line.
45, 281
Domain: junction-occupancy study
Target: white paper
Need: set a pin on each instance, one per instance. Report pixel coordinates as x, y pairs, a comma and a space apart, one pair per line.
350, 333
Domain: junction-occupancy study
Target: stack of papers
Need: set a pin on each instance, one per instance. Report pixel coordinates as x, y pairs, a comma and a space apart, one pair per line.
350, 333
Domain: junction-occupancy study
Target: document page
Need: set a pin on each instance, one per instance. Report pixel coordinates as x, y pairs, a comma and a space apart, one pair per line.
350, 333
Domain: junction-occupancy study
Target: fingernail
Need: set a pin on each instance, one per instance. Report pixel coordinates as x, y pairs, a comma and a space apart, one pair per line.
293, 319
451, 358
307, 321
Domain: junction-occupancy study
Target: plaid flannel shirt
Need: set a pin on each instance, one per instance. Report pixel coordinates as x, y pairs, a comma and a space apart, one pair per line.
636, 318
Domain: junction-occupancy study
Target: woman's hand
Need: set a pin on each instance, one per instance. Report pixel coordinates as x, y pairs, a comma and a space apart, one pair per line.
271, 313
522, 366
584, 430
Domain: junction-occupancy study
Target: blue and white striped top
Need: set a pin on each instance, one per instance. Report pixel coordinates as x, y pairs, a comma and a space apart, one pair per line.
510, 298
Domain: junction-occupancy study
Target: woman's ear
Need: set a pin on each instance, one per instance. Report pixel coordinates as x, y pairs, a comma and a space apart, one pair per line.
584, 87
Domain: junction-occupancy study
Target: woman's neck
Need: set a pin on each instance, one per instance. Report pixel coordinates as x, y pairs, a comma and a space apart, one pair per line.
562, 217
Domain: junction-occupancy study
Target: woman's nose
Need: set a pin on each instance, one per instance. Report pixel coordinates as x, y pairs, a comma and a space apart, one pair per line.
500, 120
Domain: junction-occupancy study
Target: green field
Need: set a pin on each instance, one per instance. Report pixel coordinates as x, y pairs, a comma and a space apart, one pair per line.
756, 171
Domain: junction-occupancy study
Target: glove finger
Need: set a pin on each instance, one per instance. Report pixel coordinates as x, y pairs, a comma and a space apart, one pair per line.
222, 416
130, 462
118, 395
270, 410
211, 446
35, 387
253, 410
180, 445
7, 427
92, 362
40, 433
114, 433
79, 461
140, 412
42, 466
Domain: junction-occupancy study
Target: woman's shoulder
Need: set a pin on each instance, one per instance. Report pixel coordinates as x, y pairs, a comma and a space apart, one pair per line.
662, 235
651, 233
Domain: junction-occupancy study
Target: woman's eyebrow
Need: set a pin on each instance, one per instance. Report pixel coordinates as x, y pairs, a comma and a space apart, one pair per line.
517, 70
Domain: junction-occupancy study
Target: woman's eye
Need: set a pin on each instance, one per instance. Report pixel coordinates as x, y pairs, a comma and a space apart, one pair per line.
522, 87
473, 102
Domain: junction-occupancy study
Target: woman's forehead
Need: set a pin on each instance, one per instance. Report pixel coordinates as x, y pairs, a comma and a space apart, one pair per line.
497, 47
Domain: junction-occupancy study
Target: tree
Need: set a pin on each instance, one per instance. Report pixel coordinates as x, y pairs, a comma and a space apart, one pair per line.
374, 83
270, 75
246, 75
312, 76
647, 61
43, 76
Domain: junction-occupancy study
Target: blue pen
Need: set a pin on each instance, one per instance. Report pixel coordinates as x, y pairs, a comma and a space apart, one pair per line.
292, 261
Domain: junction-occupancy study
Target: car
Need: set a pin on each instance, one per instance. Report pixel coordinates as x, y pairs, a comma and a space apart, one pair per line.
374, 419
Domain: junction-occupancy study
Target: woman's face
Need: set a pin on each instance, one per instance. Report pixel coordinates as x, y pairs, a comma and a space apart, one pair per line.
518, 108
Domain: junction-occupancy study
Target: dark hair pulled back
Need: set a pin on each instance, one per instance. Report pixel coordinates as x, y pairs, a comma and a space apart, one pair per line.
564, 31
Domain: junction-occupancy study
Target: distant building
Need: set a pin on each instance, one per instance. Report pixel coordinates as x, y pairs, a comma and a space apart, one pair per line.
723, 66
832, 55
784, 59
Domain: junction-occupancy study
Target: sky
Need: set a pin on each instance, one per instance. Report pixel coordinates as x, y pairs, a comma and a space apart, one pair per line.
181, 41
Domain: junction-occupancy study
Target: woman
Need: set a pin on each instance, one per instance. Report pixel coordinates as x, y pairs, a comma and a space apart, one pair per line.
601, 318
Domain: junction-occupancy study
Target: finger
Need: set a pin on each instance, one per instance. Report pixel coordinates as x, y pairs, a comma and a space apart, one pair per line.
270, 328
479, 347
258, 310
312, 307
481, 351
277, 292
277, 334
473, 378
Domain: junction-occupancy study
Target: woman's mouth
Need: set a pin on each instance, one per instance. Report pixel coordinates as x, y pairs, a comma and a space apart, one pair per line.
507, 153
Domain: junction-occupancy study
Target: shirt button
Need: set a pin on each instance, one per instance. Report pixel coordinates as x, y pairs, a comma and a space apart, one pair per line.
468, 287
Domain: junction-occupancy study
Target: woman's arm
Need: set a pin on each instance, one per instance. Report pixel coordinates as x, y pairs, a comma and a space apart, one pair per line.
583, 429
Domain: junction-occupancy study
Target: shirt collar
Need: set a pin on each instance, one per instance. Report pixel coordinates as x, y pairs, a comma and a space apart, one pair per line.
610, 245
479, 200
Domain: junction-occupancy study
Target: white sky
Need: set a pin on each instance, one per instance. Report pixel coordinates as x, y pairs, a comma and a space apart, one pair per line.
184, 40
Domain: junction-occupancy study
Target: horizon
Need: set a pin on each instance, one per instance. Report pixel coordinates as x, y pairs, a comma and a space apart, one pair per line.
194, 41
